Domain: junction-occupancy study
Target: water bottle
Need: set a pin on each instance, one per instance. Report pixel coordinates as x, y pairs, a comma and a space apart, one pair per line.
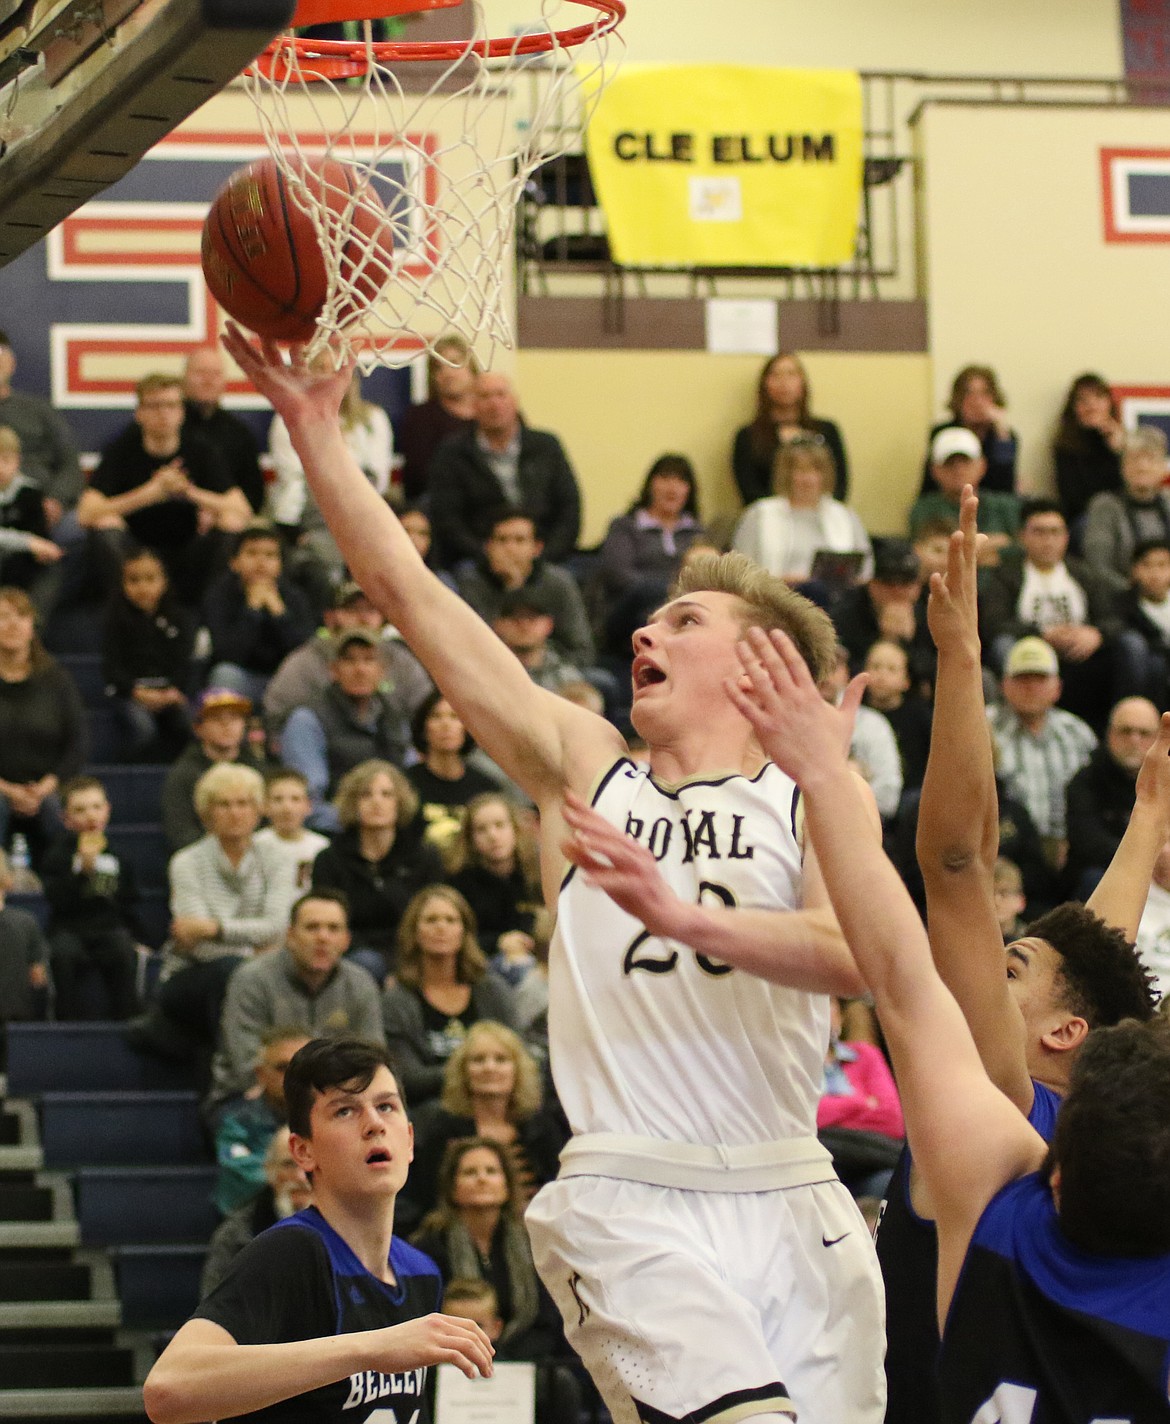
20, 863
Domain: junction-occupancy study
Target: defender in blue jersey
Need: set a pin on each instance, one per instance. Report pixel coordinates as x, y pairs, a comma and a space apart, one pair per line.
1029, 1008
327, 1316
1054, 1265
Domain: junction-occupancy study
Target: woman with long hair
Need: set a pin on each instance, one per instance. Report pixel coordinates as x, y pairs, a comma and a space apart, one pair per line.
494, 866
783, 414
42, 728
475, 1233
442, 779
644, 547
442, 987
379, 860
1088, 445
492, 1088
977, 401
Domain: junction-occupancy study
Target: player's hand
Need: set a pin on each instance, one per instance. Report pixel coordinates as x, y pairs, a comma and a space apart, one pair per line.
952, 611
801, 732
38, 976
617, 864
293, 388
1153, 778
432, 1340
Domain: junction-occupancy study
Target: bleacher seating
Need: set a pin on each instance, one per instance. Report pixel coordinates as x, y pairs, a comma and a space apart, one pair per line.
121, 1128
119, 1206
53, 1057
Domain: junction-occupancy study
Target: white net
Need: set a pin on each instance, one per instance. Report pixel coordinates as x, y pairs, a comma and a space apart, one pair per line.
436, 156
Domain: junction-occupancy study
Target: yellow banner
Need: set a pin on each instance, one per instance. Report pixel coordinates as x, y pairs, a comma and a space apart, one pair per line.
729, 165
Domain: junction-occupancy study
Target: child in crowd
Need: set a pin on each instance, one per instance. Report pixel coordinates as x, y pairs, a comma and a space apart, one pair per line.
1145, 606
931, 544
93, 921
24, 543
558, 1395
24, 962
286, 807
888, 665
148, 643
245, 1128
255, 615
1010, 900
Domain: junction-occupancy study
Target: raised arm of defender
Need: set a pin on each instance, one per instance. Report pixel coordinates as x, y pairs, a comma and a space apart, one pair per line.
941, 1079
543, 742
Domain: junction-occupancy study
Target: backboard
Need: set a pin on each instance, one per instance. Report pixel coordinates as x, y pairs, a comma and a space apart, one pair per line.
88, 86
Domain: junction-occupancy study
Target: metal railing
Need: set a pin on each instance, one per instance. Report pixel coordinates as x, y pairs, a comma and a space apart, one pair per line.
562, 248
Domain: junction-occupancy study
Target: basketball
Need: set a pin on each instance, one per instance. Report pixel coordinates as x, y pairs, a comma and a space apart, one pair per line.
262, 257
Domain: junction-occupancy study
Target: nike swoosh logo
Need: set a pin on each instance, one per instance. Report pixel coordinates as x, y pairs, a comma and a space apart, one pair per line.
826, 1242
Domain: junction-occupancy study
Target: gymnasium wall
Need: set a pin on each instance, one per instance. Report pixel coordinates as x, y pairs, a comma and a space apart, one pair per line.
1039, 37
1019, 273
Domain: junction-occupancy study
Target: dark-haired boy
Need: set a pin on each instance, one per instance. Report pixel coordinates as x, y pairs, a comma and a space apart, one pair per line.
93, 917
1053, 1283
1069, 975
255, 615
1145, 608
327, 1316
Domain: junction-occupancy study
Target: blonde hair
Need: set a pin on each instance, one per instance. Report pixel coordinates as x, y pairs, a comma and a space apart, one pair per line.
768, 603
802, 452
357, 781
223, 779
9, 441
471, 965
526, 1095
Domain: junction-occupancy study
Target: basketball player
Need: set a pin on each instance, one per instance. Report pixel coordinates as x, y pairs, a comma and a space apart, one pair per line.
1069, 975
1054, 1265
706, 1261
327, 1316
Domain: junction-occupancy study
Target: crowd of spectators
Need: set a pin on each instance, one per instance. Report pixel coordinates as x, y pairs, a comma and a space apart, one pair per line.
343, 859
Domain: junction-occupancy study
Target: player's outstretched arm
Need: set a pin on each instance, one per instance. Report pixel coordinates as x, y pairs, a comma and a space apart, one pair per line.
543, 742
958, 823
1120, 897
803, 949
204, 1374
940, 1077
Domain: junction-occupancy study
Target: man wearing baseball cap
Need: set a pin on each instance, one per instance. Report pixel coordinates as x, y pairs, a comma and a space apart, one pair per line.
956, 459
307, 671
1040, 747
221, 722
353, 719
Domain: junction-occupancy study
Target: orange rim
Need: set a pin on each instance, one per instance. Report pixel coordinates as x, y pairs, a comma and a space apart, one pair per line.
347, 59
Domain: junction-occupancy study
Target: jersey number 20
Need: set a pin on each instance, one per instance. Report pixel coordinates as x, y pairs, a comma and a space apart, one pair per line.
634, 959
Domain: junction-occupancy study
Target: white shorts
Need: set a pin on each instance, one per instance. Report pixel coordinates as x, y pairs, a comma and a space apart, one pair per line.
714, 1307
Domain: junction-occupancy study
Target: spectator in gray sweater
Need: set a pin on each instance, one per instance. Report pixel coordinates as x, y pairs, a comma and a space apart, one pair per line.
230, 899
305, 984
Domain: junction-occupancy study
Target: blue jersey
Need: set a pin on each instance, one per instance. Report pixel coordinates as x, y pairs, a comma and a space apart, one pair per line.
907, 1247
1041, 1332
301, 1281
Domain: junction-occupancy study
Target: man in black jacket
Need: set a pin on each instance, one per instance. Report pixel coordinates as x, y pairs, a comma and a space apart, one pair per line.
1100, 796
501, 461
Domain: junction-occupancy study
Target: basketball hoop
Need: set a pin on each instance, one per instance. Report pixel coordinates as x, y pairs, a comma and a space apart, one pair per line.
443, 153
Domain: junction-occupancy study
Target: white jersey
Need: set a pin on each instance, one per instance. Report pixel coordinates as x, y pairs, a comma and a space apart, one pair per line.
647, 1037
